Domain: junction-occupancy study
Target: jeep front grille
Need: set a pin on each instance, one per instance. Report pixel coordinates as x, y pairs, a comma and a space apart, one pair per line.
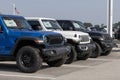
107, 37
54, 39
85, 38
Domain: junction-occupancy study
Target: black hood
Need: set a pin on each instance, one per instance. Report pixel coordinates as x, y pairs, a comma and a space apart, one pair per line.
93, 33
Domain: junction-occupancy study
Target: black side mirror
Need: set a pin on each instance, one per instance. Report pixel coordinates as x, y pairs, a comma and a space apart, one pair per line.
35, 27
70, 28
1, 31
40, 28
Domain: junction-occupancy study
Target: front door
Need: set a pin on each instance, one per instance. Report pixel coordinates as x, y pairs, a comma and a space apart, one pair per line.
4, 43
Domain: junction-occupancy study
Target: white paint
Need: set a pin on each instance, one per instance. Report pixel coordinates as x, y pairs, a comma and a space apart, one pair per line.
25, 76
77, 66
67, 34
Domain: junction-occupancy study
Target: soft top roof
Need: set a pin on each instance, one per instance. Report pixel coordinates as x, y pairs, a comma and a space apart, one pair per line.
4, 15
40, 18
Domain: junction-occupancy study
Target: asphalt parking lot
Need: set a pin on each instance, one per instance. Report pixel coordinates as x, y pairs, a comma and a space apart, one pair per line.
102, 68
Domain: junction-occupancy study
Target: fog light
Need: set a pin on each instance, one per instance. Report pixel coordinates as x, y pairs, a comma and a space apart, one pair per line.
84, 48
52, 53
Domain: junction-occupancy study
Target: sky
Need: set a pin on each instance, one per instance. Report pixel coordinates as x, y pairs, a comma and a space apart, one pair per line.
93, 11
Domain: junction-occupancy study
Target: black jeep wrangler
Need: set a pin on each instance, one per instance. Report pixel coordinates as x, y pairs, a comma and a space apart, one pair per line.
103, 41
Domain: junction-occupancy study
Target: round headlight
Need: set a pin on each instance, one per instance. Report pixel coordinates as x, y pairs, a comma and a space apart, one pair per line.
75, 35
101, 38
65, 40
80, 38
45, 39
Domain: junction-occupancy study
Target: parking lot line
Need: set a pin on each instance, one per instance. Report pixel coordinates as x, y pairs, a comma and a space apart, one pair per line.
77, 66
101, 59
26, 76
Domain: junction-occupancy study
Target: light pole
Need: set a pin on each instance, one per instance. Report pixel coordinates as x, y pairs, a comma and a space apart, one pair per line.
109, 16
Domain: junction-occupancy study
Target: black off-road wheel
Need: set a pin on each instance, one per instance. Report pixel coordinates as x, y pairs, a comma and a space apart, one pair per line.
28, 59
83, 57
71, 56
97, 52
106, 53
57, 63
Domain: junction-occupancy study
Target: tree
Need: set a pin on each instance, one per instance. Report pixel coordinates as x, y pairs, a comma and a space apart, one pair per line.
87, 24
116, 25
97, 26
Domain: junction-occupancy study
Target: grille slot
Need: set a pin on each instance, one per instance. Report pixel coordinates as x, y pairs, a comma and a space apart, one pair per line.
54, 39
107, 37
84, 38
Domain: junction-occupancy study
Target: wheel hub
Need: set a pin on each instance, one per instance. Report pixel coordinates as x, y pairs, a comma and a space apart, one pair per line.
26, 60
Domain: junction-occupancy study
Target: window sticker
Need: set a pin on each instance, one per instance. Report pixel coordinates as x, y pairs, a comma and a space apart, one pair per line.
10, 23
76, 25
47, 24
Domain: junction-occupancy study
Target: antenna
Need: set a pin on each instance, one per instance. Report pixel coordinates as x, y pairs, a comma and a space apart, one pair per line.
13, 9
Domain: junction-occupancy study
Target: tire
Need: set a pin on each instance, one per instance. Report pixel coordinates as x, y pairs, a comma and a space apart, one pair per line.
97, 52
83, 57
71, 56
28, 59
106, 53
56, 63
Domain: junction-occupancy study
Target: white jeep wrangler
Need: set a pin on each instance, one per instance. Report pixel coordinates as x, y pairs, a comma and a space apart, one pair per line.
77, 40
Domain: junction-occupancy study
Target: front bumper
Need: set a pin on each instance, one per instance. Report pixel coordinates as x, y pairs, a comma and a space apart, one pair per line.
83, 49
51, 54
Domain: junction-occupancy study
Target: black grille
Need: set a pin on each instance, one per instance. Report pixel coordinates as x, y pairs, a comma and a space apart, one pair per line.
85, 38
107, 37
54, 39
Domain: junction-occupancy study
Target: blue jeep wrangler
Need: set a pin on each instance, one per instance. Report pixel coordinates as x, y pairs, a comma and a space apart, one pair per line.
29, 48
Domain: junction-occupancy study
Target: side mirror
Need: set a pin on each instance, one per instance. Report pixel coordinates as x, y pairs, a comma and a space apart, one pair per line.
40, 28
35, 27
70, 28
1, 31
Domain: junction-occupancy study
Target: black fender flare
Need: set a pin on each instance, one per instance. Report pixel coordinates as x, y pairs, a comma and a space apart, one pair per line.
18, 41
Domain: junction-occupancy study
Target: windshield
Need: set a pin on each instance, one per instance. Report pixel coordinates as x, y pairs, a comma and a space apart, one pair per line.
79, 26
51, 24
16, 23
